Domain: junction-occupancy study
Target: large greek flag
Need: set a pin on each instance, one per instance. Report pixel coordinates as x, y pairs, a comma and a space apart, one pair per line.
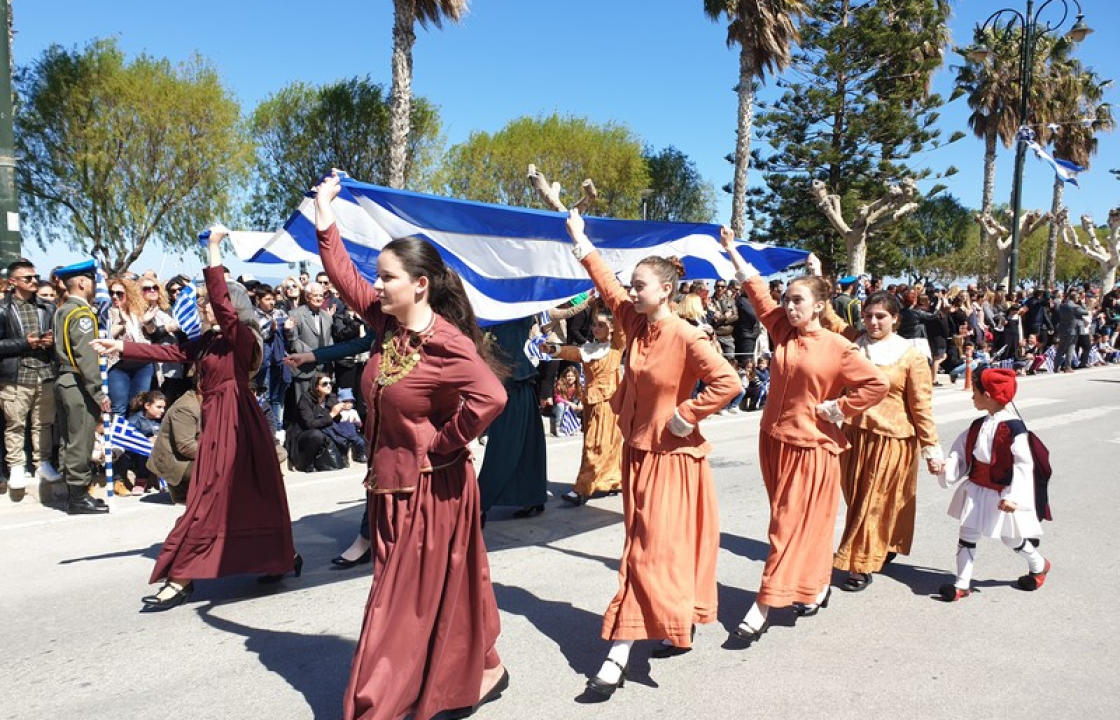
514, 262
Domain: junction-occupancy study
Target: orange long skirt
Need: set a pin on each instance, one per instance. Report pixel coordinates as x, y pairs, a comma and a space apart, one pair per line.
600, 470
667, 577
803, 484
879, 477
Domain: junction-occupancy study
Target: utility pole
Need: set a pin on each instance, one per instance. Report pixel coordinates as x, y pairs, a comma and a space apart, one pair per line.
10, 241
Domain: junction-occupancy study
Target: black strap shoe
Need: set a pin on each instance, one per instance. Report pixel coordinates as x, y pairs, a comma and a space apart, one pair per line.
80, 503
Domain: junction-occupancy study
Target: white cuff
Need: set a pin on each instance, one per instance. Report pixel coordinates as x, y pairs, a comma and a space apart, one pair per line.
582, 247
830, 410
746, 273
679, 426
932, 452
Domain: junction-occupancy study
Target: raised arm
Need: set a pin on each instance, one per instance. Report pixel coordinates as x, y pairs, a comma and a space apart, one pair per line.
831, 321
614, 296
354, 290
772, 317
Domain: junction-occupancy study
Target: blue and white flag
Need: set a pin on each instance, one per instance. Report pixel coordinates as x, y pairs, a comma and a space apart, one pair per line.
1050, 358
1063, 169
123, 435
533, 350
514, 262
569, 422
185, 312
101, 298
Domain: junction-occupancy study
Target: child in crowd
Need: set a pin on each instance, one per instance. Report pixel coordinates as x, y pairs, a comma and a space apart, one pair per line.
980, 358
759, 386
346, 430
566, 394
1106, 353
147, 414
996, 496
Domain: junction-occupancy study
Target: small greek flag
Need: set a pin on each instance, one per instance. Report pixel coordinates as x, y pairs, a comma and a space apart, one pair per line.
569, 422
123, 435
533, 349
1004, 364
1065, 170
185, 311
101, 298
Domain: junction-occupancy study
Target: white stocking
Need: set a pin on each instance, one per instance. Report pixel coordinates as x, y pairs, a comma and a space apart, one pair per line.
619, 653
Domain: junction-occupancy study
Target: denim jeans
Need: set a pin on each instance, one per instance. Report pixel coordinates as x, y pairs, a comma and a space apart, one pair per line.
271, 379
127, 384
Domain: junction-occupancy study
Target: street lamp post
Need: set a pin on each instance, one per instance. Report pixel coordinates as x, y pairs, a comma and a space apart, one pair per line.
1031, 32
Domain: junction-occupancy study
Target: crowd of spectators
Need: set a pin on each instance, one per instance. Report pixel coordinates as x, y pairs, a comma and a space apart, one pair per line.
315, 350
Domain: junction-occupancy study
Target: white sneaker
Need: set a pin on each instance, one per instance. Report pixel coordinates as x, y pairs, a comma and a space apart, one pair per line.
280, 436
17, 478
735, 411
725, 411
47, 472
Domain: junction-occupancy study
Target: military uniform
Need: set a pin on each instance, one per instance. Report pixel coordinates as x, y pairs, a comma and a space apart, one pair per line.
80, 394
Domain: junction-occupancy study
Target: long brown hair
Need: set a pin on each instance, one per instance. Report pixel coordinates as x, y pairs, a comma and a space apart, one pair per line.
446, 295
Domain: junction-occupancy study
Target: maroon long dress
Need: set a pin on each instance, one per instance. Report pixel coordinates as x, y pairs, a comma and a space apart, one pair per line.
237, 518
431, 620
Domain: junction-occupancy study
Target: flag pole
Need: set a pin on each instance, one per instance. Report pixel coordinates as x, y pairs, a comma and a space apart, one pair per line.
103, 364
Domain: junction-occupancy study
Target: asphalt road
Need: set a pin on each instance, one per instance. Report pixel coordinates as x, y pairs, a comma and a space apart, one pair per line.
73, 645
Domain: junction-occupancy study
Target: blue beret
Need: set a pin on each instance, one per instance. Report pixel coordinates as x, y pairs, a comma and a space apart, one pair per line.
86, 267
848, 279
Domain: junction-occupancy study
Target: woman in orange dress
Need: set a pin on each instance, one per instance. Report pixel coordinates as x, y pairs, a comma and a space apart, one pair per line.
879, 474
667, 576
817, 380
600, 470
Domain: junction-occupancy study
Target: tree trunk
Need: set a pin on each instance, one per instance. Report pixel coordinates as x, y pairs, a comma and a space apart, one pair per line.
856, 242
743, 142
989, 172
400, 97
1003, 265
1108, 276
1050, 264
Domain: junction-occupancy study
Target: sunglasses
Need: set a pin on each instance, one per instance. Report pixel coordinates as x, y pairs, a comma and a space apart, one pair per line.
150, 288
27, 278
325, 383
117, 293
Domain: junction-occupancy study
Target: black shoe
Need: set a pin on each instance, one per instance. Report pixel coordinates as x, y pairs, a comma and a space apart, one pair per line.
574, 498
343, 563
495, 692
857, 584
529, 511
744, 635
811, 609
153, 603
890, 558
297, 570
668, 651
604, 688
81, 503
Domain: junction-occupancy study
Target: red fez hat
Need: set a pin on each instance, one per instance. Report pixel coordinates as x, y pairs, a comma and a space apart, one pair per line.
999, 384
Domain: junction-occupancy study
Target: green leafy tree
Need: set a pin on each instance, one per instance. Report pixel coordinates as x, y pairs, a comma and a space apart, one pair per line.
492, 168
677, 192
764, 31
858, 109
930, 238
406, 14
114, 154
302, 131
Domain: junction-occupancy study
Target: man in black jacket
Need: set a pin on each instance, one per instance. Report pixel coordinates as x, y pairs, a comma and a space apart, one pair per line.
27, 375
745, 329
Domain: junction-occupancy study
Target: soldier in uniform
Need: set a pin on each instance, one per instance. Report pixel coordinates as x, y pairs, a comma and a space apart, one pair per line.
80, 393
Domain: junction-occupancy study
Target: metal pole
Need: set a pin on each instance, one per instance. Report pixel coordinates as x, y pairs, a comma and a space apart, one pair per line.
1025, 66
10, 241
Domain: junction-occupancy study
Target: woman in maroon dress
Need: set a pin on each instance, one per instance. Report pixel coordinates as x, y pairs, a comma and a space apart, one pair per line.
236, 520
431, 621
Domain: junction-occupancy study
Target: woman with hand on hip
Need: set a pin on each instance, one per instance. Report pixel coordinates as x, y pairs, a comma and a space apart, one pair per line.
817, 380
667, 576
431, 622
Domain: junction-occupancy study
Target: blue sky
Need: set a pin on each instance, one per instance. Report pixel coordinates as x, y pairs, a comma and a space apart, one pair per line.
659, 66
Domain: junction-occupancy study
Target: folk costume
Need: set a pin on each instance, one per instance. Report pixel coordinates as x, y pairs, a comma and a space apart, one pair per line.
879, 472
667, 576
990, 462
798, 451
236, 519
431, 621
600, 469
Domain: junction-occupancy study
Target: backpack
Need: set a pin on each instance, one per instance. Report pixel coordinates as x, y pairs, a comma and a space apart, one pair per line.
1040, 455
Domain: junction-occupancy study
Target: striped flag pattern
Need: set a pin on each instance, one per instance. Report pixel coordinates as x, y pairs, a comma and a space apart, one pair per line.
185, 311
569, 422
123, 435
533, 350
514, 262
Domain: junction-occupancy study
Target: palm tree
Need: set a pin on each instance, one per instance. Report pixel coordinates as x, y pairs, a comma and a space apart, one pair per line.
1076, 106
764, 30
406, 13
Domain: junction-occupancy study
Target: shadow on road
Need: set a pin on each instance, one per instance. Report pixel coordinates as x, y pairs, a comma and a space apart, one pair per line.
316, 666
